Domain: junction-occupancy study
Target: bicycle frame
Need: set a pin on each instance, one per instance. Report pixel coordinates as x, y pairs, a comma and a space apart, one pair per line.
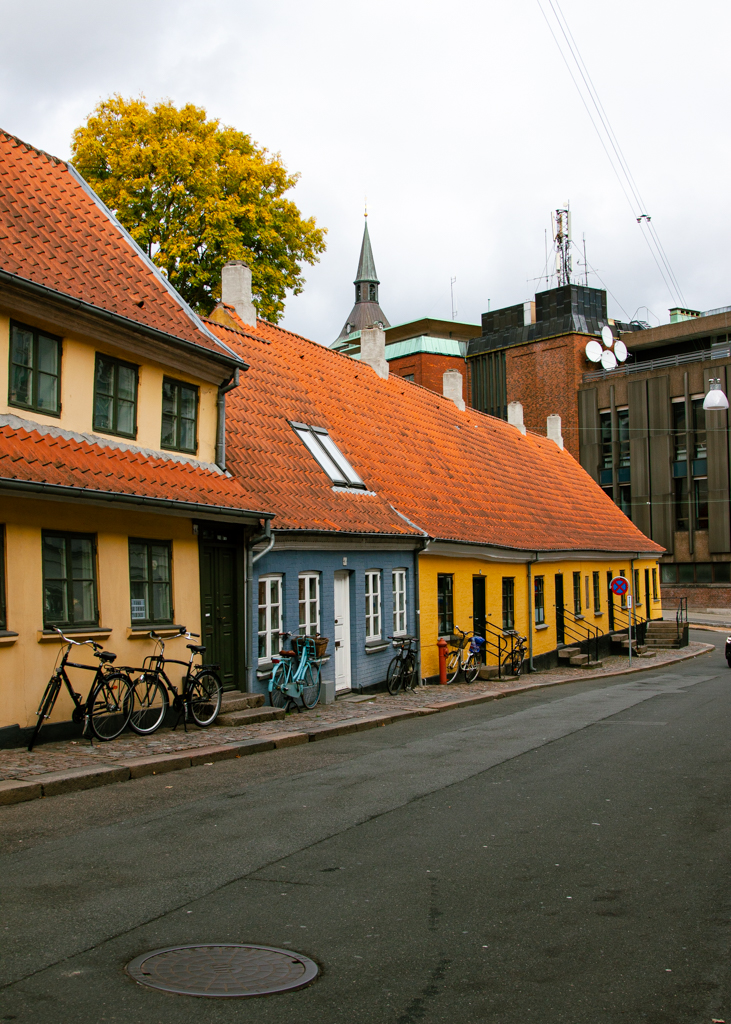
292, 684
153, 665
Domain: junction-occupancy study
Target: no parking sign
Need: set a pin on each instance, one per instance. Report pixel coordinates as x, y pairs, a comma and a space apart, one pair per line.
619, 586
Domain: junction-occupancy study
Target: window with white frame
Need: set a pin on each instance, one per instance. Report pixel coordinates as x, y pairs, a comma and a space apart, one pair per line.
328, 455
373, 604
399, 601
270, 616
309, 599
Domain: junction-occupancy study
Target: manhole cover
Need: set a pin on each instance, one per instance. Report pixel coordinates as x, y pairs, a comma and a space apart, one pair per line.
226, 970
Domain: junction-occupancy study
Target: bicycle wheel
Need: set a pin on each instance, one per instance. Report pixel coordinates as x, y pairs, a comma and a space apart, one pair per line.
508, 664
518, 662
311, 686
150, 705
204, 697
452, 666
408, 672
109, 706
471, 668
45, 708
394, 676
277, 697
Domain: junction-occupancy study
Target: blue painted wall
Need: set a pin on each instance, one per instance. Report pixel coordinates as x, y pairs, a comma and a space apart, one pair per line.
367, 669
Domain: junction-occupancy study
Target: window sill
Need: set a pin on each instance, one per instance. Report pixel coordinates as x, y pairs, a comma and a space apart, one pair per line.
137, 633
7, 637
598, 615
578, 616
375, 646
46, 636
543, 625
114, 433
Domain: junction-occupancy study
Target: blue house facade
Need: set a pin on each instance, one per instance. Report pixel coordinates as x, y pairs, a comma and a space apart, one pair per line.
355, 591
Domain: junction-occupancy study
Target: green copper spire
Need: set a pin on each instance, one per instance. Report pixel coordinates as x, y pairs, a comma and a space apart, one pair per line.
366, 310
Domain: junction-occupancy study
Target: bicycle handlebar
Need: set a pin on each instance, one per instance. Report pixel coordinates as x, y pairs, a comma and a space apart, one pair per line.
77, 643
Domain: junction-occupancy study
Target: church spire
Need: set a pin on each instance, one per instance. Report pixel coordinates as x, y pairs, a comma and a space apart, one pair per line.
366, 310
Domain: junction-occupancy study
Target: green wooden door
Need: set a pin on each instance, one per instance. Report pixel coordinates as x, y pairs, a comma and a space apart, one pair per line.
222, 605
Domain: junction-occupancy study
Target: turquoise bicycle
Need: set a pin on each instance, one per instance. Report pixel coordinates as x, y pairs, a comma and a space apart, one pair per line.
288, 684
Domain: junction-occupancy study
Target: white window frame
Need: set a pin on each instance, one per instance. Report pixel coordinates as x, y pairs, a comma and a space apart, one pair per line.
308, 625
373, 604
398, 583
271, 645
322, 447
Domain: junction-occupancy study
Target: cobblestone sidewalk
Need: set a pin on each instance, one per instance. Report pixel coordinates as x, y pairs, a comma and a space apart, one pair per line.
48, 758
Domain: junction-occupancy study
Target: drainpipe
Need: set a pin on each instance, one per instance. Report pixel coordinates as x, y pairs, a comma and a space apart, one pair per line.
231, 383
266, 535
632, 609
417, 616
530, 615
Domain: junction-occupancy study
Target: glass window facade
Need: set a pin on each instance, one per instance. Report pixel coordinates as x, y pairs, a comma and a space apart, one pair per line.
69, 579
508, 602
539, 600
373, 604
577, 593
115, 397
270, 616
309, 604
179, 416
150, 582
597, 593
35, 370
445, 603
398, 580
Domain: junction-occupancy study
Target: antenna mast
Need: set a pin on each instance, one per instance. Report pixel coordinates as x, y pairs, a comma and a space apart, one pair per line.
561, 226
452, 281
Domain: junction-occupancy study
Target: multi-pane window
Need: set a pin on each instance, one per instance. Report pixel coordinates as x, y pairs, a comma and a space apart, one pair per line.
680, 446
508, 602
398, 578
309, 603
681, 503
623, 598
623, 437
654, 586
638, 594
700, 504
270, 616
373, 604
69, 579
699, 429
328, 455
35, 370
3, 612
586, 593
150, 582
577, 593
445, 603
694, 572
597, 593
605, 432
115, 397
539, 600
179, 414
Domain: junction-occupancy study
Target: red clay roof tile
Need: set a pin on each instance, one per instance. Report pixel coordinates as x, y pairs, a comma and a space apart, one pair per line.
460, 476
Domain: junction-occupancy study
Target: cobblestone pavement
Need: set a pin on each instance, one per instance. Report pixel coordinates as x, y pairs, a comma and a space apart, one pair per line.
17, 763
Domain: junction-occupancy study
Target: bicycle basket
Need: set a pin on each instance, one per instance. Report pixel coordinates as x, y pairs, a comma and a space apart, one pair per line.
300, 642
321, 643
458, 641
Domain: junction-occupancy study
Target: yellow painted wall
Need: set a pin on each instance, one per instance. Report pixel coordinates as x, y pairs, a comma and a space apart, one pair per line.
27, 663
544, 640
77, 394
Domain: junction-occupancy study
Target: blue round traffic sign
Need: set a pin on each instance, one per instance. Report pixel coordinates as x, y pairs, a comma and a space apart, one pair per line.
619, 586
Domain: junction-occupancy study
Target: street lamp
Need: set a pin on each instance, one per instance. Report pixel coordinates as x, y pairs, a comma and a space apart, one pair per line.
715, 399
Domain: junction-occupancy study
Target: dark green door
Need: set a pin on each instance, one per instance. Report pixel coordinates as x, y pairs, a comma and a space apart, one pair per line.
610, 602
222, 604
559, 608
478, 605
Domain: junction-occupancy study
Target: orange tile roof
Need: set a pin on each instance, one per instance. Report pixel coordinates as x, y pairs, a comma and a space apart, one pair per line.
55, 232
459, 476
34, 458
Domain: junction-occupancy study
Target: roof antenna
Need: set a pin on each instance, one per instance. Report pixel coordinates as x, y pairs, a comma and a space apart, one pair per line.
561, 224
452, 281
365, 206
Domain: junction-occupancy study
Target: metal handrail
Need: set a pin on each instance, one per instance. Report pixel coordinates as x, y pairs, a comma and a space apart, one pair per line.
681, 617
591, 632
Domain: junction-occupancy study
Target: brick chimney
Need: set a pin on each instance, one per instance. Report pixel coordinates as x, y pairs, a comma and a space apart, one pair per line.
373, 350
236, 290
515, 416
452, 387
553, 429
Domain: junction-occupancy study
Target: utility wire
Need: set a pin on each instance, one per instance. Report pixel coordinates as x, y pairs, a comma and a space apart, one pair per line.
611, 147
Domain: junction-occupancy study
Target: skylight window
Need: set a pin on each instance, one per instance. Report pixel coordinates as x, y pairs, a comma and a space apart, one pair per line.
328, 455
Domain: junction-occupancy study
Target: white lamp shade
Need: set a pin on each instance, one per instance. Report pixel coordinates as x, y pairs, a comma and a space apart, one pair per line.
715, 400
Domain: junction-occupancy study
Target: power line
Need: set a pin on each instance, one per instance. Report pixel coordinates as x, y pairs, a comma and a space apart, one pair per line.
612, 148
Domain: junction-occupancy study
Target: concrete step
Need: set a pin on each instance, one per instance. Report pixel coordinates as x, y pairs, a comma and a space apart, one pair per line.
235, 700
595, 664
567, 653
249, 716
489, 672
647, 654
579, 660
639, 648
654, 643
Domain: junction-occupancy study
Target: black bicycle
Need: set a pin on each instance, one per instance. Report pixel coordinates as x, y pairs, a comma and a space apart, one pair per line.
513, 661
401, 672
106, 710
200, 696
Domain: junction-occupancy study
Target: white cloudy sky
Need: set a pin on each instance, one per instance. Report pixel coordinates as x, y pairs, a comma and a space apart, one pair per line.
457, 120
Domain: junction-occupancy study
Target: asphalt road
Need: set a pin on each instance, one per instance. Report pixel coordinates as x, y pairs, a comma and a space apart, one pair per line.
560, 856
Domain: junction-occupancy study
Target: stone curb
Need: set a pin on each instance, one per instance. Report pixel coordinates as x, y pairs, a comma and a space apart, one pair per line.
13, 791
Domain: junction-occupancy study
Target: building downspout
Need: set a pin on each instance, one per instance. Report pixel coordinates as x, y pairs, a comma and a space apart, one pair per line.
417, 615
266, 535
530, 615
231, 383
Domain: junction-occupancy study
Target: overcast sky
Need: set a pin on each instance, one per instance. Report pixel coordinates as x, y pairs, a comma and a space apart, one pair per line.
457, 119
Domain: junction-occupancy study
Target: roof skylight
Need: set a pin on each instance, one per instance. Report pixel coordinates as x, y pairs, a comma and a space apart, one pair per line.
328, 455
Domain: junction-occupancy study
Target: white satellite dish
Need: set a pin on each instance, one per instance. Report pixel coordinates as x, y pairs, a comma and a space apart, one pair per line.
620, 351
609, 361
607, 336
593, 351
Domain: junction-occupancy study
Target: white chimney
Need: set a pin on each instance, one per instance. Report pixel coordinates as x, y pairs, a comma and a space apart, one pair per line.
236, 290
515, 416
373, 350
553, 429
452, 387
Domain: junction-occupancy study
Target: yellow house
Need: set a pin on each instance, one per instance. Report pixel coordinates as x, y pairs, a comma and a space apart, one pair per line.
116, 512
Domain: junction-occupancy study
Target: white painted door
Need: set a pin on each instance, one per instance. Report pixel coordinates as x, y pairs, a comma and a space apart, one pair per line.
342, 630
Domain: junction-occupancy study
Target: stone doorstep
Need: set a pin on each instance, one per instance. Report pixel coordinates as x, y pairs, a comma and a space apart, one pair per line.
248, 716
75, 779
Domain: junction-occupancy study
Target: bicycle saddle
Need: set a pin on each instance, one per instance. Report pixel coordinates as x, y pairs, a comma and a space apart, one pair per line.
105, 656
287, 654
196, 648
